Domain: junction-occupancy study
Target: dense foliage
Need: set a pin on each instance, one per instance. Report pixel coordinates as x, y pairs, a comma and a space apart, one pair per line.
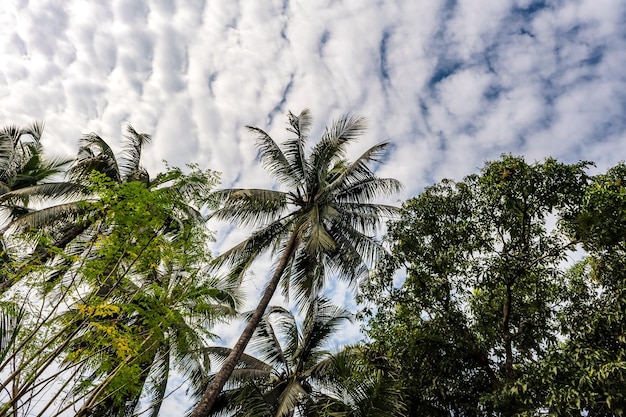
107, 291
491, 318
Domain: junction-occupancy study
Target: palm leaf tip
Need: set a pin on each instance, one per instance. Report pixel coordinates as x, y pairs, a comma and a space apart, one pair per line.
301, 124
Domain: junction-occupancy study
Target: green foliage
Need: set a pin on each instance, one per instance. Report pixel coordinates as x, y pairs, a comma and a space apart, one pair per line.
152, 294
323, 223
326, 207
484, 280
588, 369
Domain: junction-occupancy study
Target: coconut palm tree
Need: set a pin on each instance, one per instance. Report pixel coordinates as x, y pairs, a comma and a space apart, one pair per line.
25, 171
322, 223
59, 219
26, 176
94, 155
294, 374
71, 222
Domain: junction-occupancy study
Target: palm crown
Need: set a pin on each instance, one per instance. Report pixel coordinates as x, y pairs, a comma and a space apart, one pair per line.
291, 367
324, 222
325, 210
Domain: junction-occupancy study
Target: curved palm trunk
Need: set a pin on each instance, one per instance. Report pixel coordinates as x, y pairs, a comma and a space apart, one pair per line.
204, 406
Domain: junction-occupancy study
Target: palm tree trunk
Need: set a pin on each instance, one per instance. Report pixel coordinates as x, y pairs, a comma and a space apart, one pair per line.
204, 406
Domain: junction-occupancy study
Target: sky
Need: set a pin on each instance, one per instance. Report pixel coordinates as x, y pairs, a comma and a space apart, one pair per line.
451, 83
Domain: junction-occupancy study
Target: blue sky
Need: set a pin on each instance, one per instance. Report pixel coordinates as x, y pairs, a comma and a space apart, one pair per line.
452, 83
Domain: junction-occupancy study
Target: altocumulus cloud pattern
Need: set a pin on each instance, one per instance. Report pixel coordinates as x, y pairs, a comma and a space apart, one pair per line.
451, 82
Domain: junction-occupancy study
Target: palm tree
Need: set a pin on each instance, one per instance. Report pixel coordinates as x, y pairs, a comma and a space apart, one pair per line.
26, 175
70, 222
94, 155
295, 374
324, 222
189, 302
60, 220
25, 171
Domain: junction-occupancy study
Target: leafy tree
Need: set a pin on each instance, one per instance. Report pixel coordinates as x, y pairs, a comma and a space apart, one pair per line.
586, 372
294, 374
484, 280
61, 221
126, 258
165, 297
322, 224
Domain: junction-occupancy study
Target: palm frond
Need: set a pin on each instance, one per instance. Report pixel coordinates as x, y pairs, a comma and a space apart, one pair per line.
43, 192
130, 161
363, 217
11, 318
307, 277
288, 329
355, 253
294, 149
266, 344
35, 130
357, 387
241, 255
368, 189
321, 321
9, 136
94, 154
333, 144
46, 216
249, 207
220, 353
358, 170
317, 238
16, 147
273, 158
156, 382
289, 398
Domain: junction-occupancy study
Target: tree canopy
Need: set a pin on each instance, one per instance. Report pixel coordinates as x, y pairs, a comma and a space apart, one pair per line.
493, 316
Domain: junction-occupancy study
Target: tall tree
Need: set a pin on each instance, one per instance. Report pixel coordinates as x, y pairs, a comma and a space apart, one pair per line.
102, 287
478, 307
166, 301
322, 223
94, 154
70, 222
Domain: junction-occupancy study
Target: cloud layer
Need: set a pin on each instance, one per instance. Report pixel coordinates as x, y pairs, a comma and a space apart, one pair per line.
450, 83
